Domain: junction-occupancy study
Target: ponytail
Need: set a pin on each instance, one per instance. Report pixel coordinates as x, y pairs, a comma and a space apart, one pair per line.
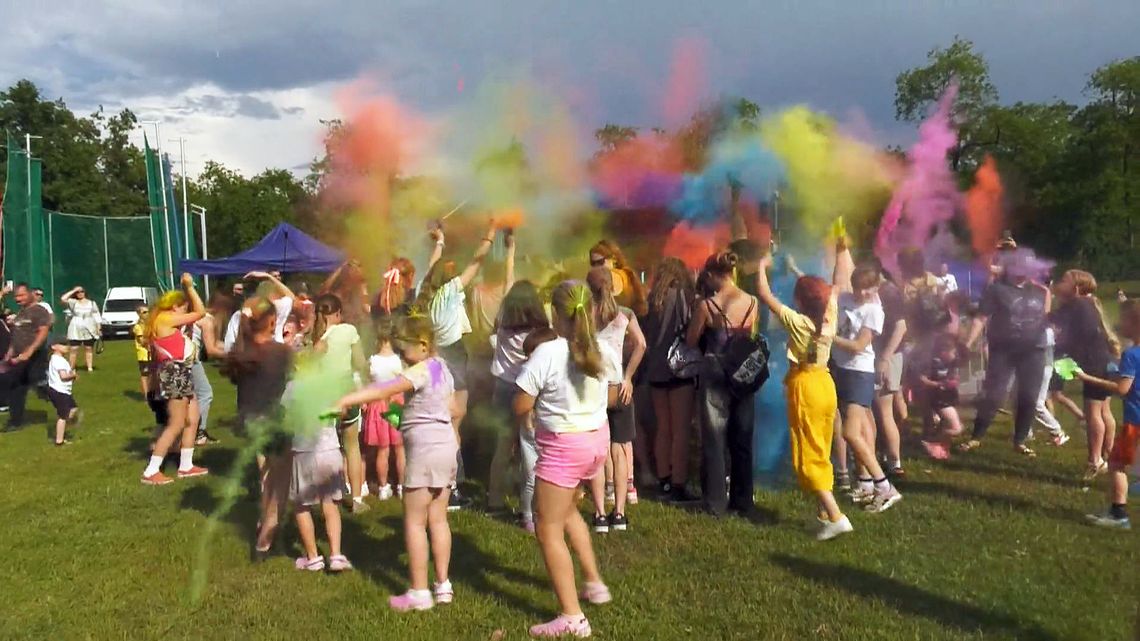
1114, 345
572, 302
327, 305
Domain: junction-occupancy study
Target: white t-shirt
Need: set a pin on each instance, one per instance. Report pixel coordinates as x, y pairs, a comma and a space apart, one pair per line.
57, 367
449, 314
613, 335
509, 356
854, 315
339, 341
284, 307
384, 367
566, 399
949, 283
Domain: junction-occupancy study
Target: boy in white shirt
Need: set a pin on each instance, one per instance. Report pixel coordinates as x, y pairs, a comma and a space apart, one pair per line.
61, 377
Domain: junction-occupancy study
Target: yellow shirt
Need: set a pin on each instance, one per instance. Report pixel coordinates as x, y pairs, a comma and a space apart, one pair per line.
801, 335
142, 354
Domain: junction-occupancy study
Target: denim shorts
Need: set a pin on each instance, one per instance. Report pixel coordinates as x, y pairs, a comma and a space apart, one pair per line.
854, 388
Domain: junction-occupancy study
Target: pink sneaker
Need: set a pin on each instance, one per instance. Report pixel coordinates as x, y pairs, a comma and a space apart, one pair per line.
411, 600
596, 593
563, 625
528, 525
339, 563
315, 564
192, 472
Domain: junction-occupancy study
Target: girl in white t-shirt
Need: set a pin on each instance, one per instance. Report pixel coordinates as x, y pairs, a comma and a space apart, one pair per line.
568, 383
341, 357
379, 432
861, 319
443, 296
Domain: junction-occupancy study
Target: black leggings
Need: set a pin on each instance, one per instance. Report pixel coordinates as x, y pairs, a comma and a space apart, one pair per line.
1027, 366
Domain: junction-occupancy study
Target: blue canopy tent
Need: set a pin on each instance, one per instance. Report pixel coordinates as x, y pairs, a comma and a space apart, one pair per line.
285, 249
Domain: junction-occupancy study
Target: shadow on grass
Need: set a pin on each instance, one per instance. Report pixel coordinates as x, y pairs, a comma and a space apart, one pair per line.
997, 468
471, 566
134, 396
1000, 501
910, 600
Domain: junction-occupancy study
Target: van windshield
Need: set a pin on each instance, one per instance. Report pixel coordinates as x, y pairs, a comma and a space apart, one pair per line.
122, 305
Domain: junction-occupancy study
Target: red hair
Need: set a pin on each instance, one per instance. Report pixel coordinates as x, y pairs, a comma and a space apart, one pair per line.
812, 295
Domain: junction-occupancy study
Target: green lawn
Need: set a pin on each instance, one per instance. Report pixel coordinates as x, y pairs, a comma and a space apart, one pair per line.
987, 546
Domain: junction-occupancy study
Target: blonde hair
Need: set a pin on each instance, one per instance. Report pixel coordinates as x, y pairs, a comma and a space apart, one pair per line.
1086, 286
571, 300
601, 283
165, 303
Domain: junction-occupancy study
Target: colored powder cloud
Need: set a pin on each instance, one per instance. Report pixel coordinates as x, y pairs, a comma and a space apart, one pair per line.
928, 196
984, 208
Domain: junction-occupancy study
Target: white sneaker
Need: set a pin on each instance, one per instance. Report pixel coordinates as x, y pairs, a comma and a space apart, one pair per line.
385, 492
399, 491
364, 490
883, 501
443, 593
830, 530
1060, 439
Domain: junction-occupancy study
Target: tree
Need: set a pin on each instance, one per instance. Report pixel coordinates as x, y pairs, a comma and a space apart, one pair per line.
611, 136
242, 210
916, 90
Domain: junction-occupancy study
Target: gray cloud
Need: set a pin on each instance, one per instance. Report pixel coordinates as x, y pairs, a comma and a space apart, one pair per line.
613, 57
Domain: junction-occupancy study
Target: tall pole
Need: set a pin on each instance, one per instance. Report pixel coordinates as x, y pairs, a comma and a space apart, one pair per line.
165, 205
28, 209
201, 211
185, 198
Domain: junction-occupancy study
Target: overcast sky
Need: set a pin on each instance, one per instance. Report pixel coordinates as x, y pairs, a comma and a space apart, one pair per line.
246, 81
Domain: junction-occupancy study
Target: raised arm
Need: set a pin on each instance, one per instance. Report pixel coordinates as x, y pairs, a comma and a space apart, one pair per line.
844, 266
436, 234
197, 309
281, 289
510, 241
481, 252
326, 286
763, 289
210, 337
68, 294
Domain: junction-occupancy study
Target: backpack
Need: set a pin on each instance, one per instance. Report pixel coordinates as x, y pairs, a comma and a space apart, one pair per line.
928, 308
743, 358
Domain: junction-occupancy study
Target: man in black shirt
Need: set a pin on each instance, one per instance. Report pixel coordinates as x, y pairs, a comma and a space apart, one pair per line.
26, 357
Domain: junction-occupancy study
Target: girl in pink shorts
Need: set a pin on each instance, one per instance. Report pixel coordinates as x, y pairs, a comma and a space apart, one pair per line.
566, 383
380, 436
431, 449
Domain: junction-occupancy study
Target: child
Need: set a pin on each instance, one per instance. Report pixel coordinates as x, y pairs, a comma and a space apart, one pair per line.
1124, 448
384, 366
431, 448
259, 367
568, 383
940, 397
318, 479
861, 320
810, 390
61, 375
521, 316
341, 357
616, 325
142, 349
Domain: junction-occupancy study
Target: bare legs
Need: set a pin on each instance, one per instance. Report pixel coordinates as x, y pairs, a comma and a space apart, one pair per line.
557, 518
425, 510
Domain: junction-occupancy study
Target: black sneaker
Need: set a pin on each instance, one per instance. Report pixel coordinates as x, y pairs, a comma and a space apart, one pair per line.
457, 502
664, 488
618, 522
681, 494
601, 524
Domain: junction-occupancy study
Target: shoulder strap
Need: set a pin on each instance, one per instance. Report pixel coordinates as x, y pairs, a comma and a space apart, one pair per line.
720, 311
751, 306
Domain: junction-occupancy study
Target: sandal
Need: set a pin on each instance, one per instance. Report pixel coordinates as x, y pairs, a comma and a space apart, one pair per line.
315, 564
969, 445
1025, 451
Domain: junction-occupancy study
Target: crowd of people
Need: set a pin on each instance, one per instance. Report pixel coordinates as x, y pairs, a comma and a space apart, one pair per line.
594, 377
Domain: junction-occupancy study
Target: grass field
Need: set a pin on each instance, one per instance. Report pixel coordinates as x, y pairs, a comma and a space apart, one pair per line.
985, 546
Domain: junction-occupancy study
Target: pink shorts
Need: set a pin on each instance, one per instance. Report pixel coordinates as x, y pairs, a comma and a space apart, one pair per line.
567, 459
377, 431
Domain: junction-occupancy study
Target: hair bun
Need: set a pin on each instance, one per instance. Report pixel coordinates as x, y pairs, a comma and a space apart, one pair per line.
722, 263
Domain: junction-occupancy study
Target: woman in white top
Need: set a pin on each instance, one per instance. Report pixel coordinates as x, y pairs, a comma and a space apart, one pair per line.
442, 295
84, 327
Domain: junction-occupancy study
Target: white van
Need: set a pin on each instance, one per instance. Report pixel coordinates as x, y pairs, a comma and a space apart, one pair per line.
119, 308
